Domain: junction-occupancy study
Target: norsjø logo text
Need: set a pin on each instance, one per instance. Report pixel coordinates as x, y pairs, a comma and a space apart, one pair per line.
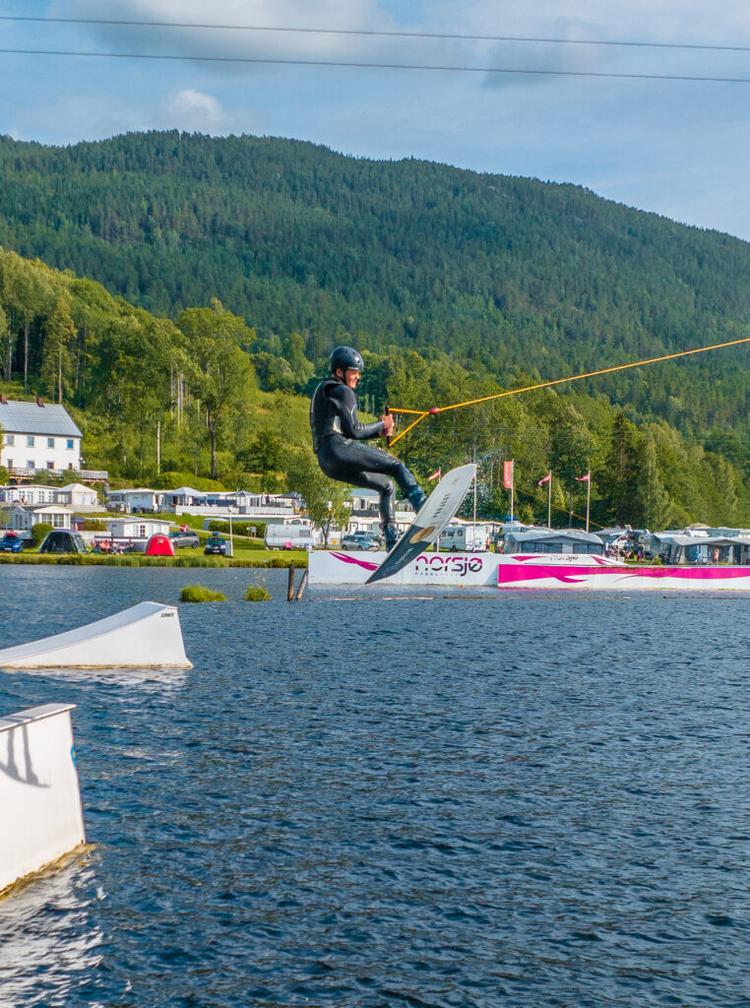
435, 563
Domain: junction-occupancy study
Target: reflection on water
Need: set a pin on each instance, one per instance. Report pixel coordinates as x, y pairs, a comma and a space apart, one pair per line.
48, 941
536, 800
157, 679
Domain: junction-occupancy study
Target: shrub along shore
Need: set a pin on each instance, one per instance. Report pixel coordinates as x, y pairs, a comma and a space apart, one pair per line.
292, 558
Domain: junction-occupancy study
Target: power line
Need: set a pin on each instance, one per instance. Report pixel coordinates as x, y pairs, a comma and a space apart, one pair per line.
378, 66
371, 33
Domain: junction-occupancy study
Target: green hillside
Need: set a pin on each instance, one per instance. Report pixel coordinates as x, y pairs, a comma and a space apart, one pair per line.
507, 275
455, 284
133, 380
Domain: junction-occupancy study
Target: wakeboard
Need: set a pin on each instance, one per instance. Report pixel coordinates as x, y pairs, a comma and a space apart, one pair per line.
429, 522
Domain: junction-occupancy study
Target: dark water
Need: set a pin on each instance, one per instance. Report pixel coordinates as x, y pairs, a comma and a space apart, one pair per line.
533, 799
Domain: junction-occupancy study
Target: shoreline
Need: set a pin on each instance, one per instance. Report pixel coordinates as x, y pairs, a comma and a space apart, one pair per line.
293, 559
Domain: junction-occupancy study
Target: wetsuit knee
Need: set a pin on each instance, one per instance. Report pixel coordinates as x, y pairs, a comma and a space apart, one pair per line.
387, 502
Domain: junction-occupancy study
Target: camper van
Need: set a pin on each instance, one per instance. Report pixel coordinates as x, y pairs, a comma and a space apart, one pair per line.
287, 536
465, 538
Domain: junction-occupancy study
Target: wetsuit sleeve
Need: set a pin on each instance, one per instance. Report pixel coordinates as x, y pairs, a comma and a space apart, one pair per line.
346, 407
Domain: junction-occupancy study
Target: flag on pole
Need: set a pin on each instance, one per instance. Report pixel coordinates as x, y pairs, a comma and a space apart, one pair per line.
545, 479
435, 476
508, 474
586, 478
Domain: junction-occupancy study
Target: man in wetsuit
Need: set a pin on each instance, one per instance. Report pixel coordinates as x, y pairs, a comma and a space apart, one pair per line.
337, 435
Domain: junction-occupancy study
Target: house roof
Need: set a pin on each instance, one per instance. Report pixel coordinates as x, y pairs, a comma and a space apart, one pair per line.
184, 491
686, 540
41, 508
28, 418
135, 490
568, 535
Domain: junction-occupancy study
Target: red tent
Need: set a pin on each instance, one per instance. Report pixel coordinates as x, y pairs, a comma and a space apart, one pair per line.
159, 545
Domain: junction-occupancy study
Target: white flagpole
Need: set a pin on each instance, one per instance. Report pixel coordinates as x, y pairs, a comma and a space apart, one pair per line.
588, 499
549, 503
474, 533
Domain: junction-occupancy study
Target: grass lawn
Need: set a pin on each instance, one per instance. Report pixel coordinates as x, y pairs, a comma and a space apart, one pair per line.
183, 558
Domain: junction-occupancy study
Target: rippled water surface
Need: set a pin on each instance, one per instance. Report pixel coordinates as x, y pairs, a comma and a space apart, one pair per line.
376, 799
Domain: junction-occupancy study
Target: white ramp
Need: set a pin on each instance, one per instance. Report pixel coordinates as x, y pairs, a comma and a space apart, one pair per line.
146, 635
39, 795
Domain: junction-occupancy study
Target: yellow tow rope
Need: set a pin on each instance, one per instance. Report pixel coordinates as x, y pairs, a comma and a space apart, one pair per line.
422, 414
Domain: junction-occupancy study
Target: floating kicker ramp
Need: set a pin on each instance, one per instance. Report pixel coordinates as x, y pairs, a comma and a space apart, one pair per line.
146, 635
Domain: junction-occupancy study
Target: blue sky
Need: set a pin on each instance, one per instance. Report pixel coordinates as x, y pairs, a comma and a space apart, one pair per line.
676, 148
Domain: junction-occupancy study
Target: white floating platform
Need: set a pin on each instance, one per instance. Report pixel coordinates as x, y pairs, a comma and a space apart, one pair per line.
338, 567
144, 636
39, 793
585, 572
525, 570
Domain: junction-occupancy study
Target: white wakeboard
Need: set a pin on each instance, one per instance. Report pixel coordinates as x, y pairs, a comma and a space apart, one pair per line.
430, 521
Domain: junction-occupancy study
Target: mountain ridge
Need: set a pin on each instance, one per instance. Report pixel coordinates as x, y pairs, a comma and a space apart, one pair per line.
506, 274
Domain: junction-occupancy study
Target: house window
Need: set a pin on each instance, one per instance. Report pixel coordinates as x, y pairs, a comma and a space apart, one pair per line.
29, 440
10, 439
50, 442
70, 444
58, 521
30, 464
10, 463
50, 465
141, 531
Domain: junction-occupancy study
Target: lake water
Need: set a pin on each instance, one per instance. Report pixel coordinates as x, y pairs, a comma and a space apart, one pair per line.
372, 799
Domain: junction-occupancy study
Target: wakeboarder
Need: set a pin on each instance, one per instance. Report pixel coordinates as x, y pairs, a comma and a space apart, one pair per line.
337, 433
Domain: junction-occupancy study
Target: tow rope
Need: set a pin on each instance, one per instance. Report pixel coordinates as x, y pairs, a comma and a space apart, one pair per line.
421, 415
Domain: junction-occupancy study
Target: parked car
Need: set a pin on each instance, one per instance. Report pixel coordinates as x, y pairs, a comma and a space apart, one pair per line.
216, 545
361, 541
181, 539
11, 543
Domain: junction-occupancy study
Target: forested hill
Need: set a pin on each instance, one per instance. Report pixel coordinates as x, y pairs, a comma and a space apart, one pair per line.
510, 275
165, 403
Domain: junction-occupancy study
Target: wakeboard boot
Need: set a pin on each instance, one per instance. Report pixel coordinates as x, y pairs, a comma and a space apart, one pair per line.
390, 534
416, 497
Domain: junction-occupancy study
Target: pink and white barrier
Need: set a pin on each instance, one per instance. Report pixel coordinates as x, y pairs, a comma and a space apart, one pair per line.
336, 567
584, 571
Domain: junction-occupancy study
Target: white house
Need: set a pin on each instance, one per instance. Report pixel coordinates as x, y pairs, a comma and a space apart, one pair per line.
139, 499
77, 496
136, 528
28, 494
172, 500
38, 436
22, 518
74, 495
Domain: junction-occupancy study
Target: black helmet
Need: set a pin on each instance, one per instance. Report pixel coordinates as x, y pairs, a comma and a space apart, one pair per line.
345, 357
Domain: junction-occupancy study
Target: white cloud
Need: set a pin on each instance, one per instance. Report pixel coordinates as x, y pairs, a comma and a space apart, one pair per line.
234, 43
196, 112
94, 116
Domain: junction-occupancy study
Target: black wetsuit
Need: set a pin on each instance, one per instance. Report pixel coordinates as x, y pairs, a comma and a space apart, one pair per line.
337, 433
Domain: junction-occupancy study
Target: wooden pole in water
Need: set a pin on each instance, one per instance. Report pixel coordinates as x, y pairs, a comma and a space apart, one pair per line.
302, 586
290, 585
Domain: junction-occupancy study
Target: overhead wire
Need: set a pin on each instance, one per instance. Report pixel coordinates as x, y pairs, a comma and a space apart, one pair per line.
381, 33
350, 64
